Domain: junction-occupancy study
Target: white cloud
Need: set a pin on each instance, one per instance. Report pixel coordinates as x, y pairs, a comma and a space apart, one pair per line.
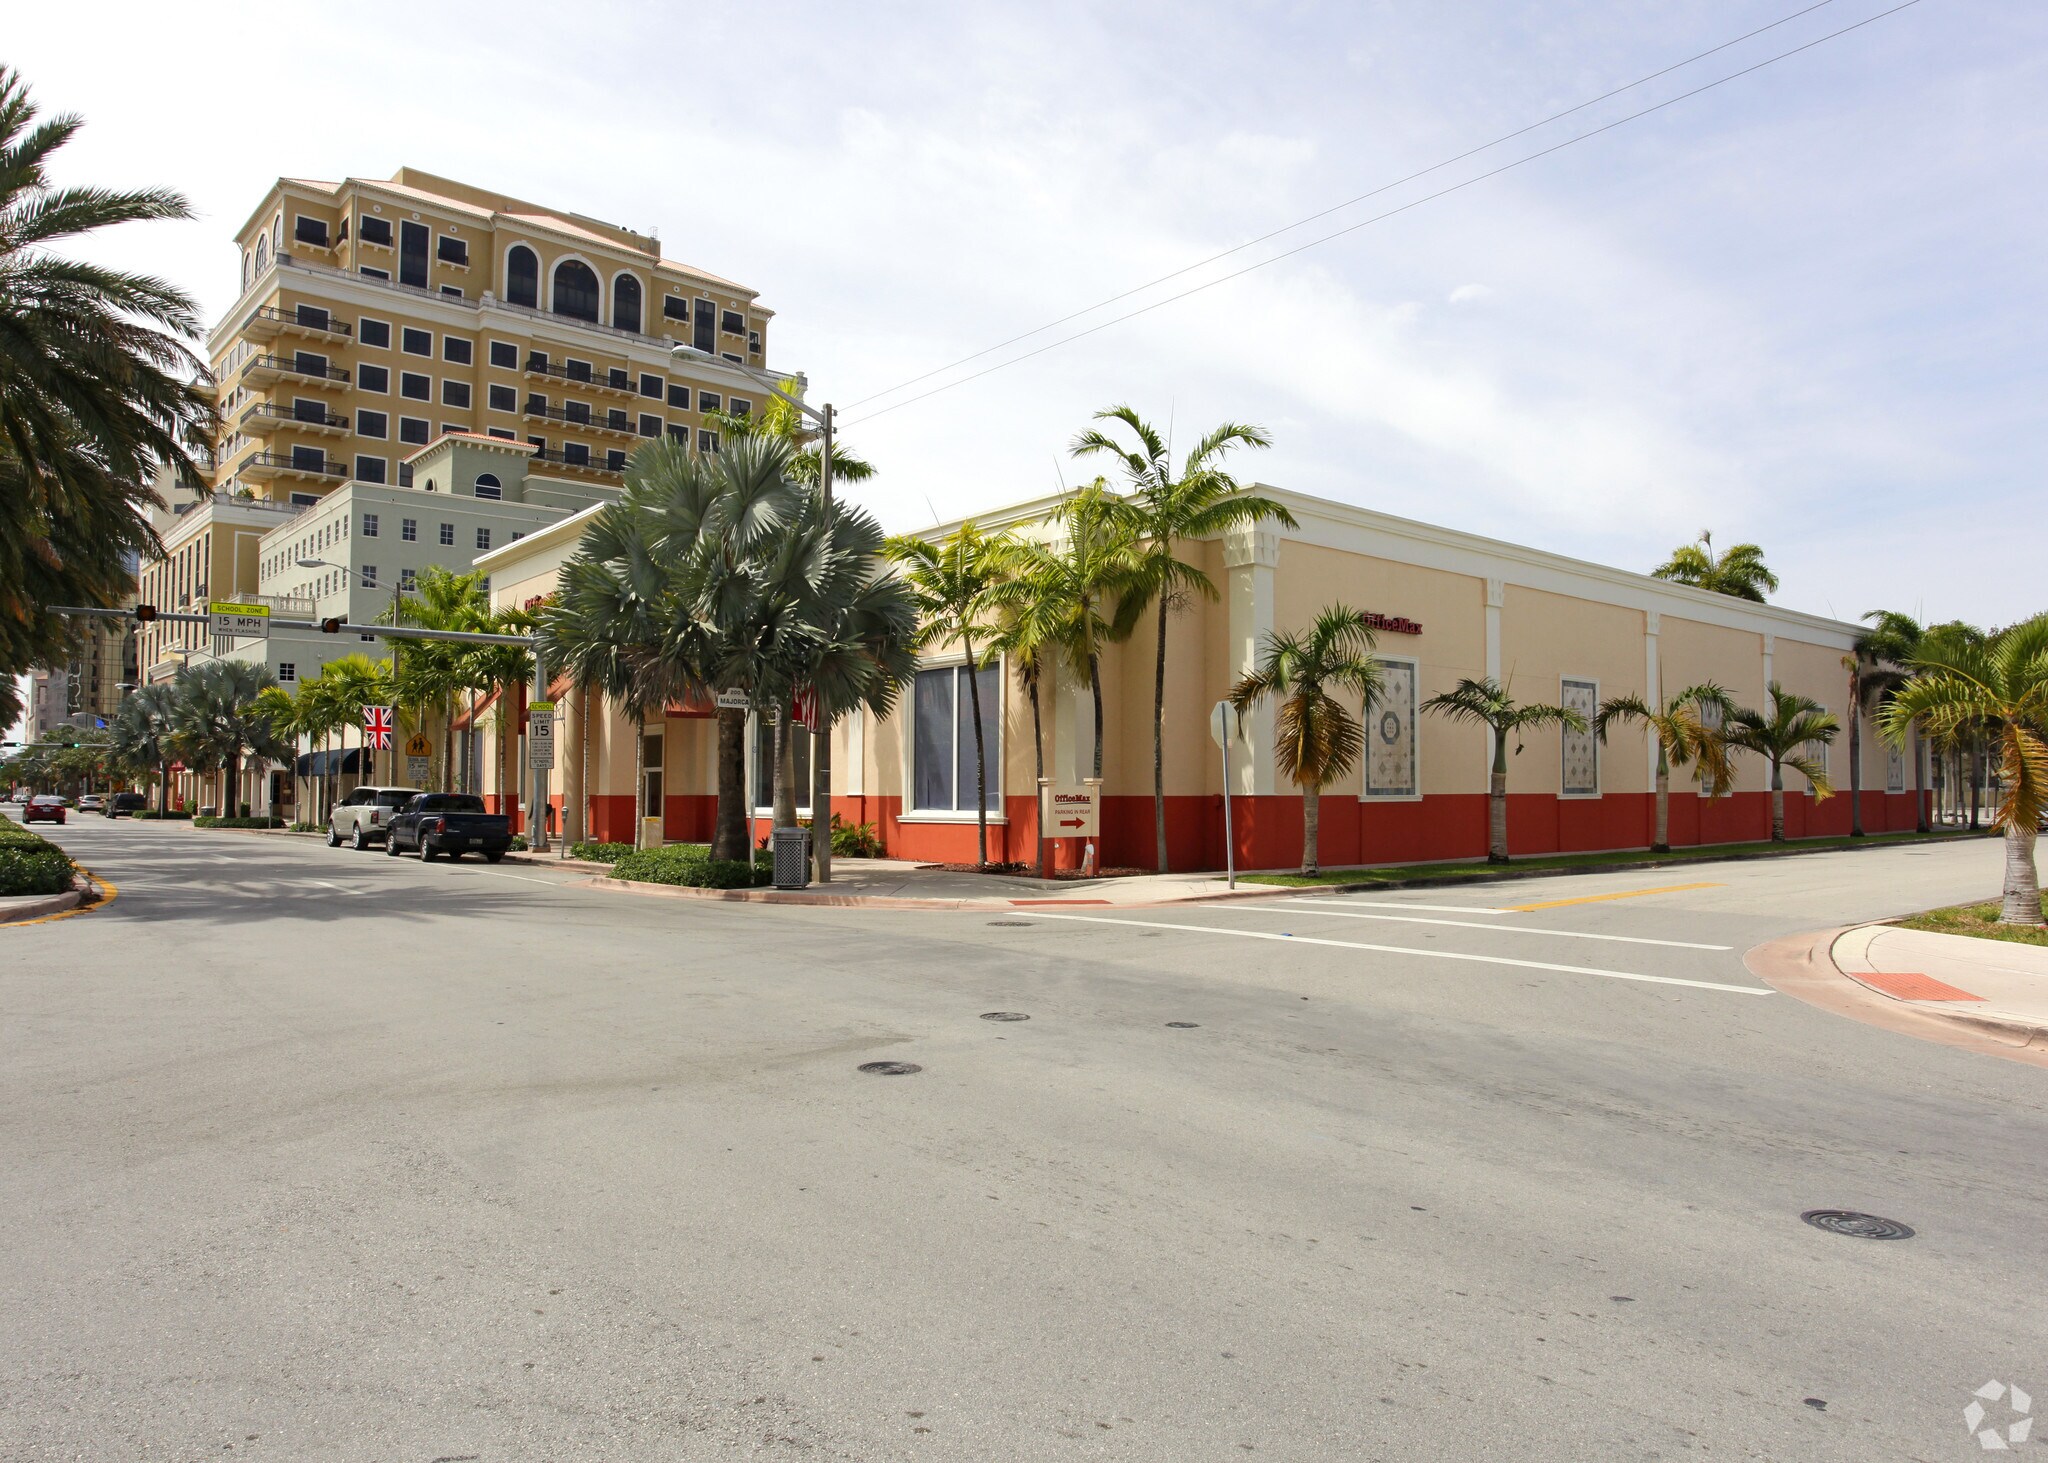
1465, 294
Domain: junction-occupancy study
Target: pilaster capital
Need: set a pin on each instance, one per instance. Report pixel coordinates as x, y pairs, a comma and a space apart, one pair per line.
1496, 593
1256, 546
1653, 622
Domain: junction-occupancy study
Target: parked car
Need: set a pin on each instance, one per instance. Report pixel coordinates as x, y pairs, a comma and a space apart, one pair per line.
44, 808
124, 802
91, 802
453, 823
363, 817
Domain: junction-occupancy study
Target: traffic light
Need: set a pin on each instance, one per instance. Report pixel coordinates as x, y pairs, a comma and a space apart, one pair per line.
330, 627
145, 613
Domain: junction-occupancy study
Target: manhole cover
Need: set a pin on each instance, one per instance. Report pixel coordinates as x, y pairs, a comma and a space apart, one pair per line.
1010, 924
890, 1069
1004, 1016
1184, 1025
1858, 1226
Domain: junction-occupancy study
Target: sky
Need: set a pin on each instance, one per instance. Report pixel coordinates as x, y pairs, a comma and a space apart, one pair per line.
1803, 309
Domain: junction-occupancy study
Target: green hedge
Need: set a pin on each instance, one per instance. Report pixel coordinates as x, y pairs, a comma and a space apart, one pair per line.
600, 853
238, 822
30, 863
175, 814
691, 865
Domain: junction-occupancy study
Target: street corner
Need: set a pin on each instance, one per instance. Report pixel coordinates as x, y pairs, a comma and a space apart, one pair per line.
1974, 1000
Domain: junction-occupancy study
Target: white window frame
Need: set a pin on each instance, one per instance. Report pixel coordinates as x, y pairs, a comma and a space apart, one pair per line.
997, 814
362, 320
757, 726
1365, 792
1599, 768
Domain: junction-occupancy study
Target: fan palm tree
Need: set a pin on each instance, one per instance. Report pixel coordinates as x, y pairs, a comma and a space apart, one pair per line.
431, 676
1079, 588
1683, 739
1960, 687
1892, 642
1203, 502
1317, 739
218, 719
1488, 703
1780, 736
952, 583
142, 735
98, 387
279, 711
1739, 570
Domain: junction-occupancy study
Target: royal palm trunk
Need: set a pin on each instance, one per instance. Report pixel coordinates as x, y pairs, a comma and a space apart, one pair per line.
1159, 742
785, 773
2022, 883
1311, 827
1662, 843
1777, 802
1855, 758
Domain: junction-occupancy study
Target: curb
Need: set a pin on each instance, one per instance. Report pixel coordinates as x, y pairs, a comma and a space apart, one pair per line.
2024, 1033
1803, 967
1513, 875
38, 908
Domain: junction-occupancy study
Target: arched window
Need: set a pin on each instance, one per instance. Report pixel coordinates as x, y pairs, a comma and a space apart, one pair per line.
487, 485
245, 269
576, 292
277, 232
522, 277
626, 303
262, 254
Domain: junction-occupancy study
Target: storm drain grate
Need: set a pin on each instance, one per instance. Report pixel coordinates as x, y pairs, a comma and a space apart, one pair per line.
1004, 1016
1857, 1226
1184, 1025
890, 1069
1010, 924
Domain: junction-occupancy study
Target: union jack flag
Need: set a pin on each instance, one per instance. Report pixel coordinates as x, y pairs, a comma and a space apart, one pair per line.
377, 726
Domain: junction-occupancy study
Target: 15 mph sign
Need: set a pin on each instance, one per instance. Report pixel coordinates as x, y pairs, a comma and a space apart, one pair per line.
540, 736
1071, 812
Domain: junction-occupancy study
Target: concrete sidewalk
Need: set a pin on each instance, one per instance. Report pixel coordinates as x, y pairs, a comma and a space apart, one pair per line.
1993, 985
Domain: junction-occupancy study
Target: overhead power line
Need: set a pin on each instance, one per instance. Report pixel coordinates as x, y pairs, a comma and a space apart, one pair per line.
1362, 223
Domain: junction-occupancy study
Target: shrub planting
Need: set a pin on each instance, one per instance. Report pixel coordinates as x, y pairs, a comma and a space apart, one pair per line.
31, 864
691, 866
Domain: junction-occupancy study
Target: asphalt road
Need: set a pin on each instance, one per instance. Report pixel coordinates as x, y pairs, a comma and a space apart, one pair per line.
308, 1154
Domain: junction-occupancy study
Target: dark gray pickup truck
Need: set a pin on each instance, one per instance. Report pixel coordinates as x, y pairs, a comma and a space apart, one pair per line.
453, 823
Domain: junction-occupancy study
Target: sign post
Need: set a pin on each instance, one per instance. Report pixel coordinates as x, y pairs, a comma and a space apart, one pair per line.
1226, 725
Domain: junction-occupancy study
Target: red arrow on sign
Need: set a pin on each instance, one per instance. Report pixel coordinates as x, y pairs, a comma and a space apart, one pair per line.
1072, 822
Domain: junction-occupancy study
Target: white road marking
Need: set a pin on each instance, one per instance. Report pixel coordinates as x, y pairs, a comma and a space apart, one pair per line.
1397, 904
1704, 985
1511, 927
522, 878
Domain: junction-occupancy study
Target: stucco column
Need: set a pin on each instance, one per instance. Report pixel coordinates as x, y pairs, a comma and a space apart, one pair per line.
1653, 689
1496, 596
1250, 557
1770, 650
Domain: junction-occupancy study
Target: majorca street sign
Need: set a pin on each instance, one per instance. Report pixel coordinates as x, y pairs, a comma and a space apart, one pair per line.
733, 699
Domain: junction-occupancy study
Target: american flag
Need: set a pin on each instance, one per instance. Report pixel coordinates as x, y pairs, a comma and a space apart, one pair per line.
377, 726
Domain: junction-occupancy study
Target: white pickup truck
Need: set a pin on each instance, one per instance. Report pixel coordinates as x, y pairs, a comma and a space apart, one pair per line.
364, 816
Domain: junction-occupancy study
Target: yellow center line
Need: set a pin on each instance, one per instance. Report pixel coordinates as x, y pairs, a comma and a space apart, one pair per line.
1602, 898
107, 896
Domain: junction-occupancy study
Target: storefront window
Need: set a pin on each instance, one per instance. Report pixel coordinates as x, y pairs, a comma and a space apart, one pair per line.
650, 777
942, 746
764, 765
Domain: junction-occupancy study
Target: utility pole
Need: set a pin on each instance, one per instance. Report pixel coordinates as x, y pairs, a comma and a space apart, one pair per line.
821, 736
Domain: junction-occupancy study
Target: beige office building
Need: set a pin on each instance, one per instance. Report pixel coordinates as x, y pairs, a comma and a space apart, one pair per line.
377, 316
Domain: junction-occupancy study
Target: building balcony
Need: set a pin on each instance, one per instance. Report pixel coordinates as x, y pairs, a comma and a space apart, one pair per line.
309, 321
263, 466
594, 467
614, 422
262, 370
267, 417
612, 379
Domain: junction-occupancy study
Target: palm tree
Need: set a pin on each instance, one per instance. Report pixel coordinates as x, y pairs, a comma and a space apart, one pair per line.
142, 735
502, 669
1023, 640
1962, 742
431, 676
1683, 738
1892, 642
1780, 736
1079, 587
1203, 502
1739, 571
282, 715
952, 584
604, 627
781, 421
1318, 739
218, 720
1870, 682
1489, 704
98, 387
2001, 683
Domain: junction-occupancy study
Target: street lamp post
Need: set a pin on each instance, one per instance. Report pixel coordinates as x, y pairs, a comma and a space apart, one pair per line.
821, 737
